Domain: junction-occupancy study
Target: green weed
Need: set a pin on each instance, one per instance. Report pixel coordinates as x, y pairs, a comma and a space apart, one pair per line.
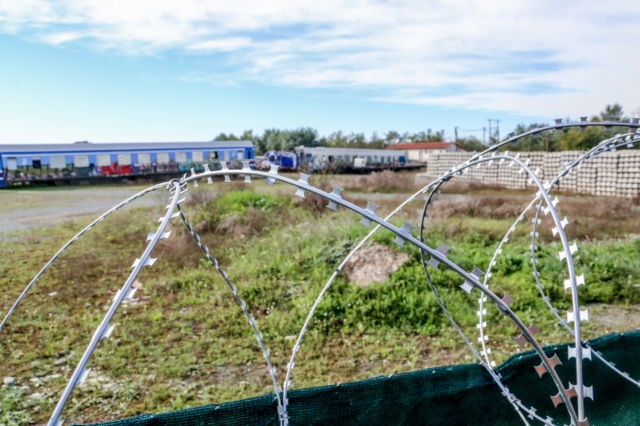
184, 342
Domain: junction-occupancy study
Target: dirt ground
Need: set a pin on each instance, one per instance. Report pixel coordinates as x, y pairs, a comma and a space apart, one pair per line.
22, 209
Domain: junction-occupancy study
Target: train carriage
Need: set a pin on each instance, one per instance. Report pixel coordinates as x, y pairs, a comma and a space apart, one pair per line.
84, 161
337, 160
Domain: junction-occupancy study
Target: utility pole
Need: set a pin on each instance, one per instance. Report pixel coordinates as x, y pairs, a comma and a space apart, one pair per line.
498, 126
455, 129
546, 145
484, 130
490, 120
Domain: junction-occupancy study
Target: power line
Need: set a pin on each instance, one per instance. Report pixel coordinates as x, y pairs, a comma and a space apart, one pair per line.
495, 136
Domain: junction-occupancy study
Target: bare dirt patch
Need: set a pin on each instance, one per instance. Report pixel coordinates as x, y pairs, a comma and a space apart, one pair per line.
614, 318
374, 264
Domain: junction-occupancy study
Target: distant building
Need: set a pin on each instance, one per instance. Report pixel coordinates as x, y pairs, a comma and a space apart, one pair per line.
420, 151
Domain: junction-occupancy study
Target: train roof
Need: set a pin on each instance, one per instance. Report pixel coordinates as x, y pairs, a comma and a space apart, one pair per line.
119, 146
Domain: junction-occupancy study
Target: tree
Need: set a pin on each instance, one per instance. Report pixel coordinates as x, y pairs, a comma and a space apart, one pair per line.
376, 142
471, 144
546, 141
611, 113
352, 140
574, 139
571, 138
392, 137
355, 140
427, 136
286, 140
247, 135
225, 137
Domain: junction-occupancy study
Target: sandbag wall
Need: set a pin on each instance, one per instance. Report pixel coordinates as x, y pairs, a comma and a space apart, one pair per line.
614, 174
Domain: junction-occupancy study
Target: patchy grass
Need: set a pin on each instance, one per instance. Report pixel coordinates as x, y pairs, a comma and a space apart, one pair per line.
385, 182
183, 341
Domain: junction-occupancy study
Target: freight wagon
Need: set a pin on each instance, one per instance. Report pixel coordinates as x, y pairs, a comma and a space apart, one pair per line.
84, 161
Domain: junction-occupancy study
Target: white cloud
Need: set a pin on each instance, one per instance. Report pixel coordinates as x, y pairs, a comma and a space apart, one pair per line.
63, 37
536, 57
223, 45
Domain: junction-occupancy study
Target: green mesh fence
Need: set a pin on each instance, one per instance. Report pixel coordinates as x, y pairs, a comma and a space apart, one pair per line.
456, 395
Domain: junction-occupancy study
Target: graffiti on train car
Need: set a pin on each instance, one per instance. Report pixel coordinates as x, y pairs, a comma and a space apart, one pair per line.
65, 163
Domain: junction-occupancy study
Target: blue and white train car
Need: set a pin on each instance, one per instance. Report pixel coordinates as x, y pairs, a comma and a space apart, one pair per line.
321, 157
51, 163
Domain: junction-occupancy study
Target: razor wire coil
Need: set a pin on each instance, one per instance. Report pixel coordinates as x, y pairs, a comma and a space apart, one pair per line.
472, 280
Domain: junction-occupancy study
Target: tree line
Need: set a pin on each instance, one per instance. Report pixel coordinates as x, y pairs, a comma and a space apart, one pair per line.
572, 139
286, 140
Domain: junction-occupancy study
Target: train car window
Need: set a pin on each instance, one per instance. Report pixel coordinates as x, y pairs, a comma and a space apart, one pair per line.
57, 162
213, 155
124, 159
103, 160
163, 158
36, 163
197, 157
12, 164
240, 155
144, 159
181, 157
226, 155
81, 161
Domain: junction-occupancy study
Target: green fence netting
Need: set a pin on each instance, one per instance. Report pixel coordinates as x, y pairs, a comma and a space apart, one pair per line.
455, 395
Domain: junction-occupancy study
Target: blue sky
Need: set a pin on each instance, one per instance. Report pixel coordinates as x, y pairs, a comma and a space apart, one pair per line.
187, 70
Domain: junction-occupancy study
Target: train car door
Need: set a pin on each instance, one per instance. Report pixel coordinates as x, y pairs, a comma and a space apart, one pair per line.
1, 174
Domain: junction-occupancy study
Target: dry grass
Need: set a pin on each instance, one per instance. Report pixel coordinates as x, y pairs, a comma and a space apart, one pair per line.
485, 208
384, 182
313, 203
600, 217
590, 218
253, 222
465, 187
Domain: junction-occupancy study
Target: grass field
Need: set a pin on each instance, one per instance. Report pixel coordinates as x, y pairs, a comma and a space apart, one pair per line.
183, 341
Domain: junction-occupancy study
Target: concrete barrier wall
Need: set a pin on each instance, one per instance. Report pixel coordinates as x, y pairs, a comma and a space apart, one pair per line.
615, 174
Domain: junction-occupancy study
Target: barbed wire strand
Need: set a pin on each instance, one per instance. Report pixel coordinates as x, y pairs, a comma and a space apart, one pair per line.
126, 292
71, 241
252, 322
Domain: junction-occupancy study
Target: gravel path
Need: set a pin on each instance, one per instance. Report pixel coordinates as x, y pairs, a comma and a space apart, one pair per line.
22, 209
